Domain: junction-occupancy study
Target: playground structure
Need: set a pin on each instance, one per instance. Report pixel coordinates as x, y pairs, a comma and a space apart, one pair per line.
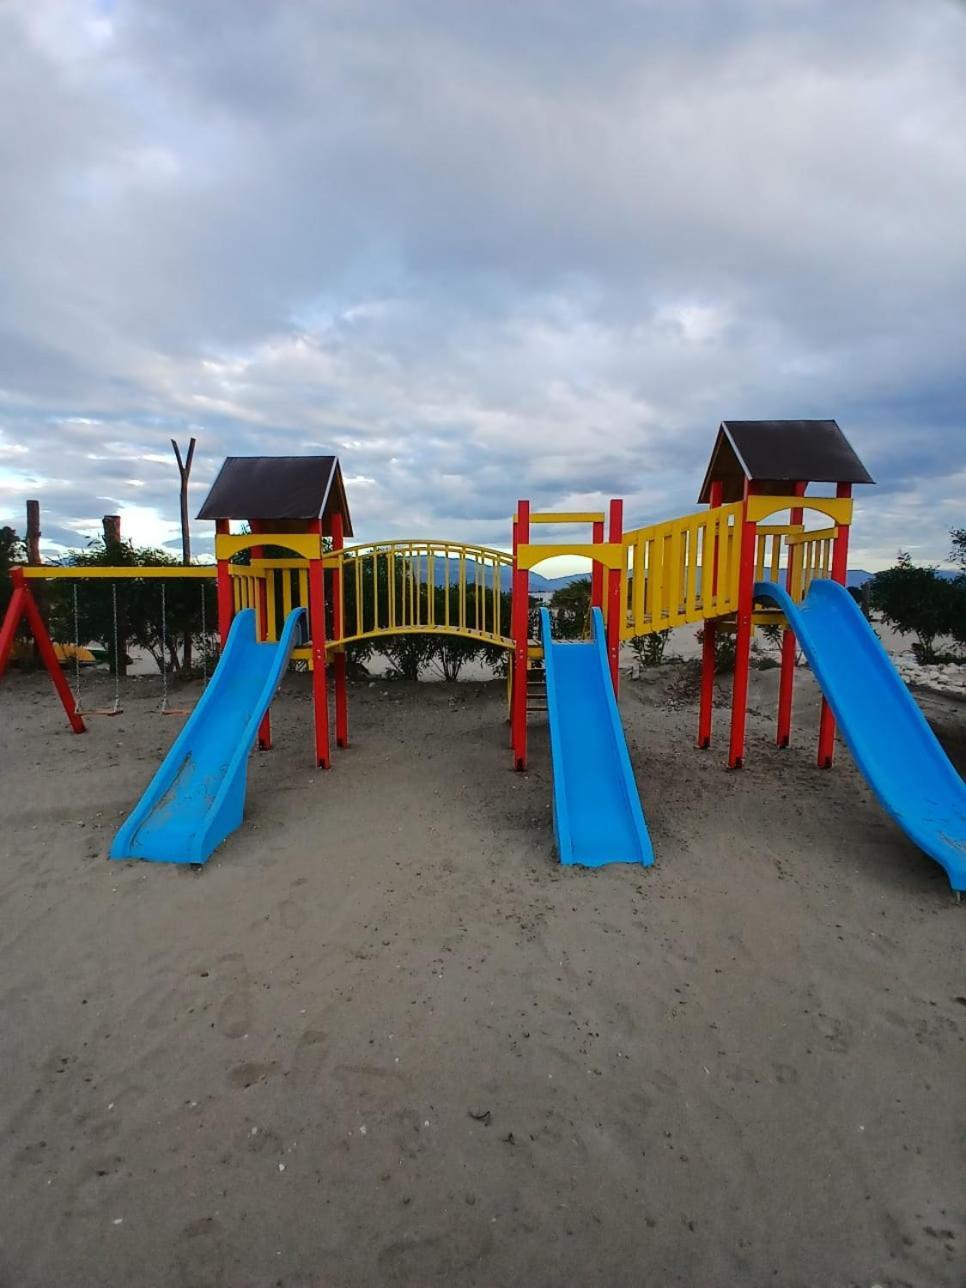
305, 594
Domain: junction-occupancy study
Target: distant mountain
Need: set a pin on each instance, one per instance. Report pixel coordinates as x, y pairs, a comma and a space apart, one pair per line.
856, 577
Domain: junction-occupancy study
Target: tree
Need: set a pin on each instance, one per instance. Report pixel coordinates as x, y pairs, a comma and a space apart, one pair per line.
452, 652
12, 552
917, 602
571, 609
184, 473
957, 554
138, 605
649, 649
408, 655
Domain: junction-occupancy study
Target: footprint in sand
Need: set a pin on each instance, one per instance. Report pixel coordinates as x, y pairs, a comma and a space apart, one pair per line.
201, 1254
235, 1011
247, 1075
837, 1034
310, 1054
292, 914
433, 1256
235, 1014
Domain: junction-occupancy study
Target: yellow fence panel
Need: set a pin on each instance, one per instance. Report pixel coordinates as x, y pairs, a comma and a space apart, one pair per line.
682, 571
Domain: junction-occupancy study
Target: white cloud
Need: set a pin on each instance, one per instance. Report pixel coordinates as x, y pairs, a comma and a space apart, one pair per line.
480, 250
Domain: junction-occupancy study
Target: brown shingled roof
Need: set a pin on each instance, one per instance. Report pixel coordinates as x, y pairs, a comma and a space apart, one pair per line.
278, 487
780, 451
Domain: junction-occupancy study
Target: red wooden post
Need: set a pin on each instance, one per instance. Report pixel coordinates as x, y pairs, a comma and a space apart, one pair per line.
22, 604
320, 695
597, 571
339, 661
226, 603
261, 633
746, 585
840, 566
787, 681
521, 640
615, 609
708, 656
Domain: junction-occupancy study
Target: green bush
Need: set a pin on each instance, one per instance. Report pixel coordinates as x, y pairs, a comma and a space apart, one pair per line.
571, 610
138, 605
649, 650
917, 601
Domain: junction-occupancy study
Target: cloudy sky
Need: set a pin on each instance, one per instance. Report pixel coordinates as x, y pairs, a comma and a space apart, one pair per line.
480, 250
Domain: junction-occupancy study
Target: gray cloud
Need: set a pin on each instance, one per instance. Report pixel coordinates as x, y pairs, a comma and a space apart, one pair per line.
479, 251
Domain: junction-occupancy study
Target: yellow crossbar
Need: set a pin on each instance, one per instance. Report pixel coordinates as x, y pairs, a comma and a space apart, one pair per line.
306, 544
610, 553
45, 572
838, 509
804, 538
568, 516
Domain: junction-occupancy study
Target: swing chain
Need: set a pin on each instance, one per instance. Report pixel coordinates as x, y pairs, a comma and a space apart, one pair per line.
117, 652
164, 646
77, 689
115, 709
204, 641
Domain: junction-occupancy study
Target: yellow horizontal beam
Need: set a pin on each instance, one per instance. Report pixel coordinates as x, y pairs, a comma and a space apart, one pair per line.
306, 544
272, 564
803, 538
568, 516
408, 628
610, 553
838, 509
46, 572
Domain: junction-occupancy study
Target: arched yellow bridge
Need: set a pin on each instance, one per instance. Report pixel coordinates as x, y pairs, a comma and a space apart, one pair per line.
385, 588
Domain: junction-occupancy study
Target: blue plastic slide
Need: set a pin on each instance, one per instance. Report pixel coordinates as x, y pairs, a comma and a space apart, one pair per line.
892, 744
197, 797
597, 815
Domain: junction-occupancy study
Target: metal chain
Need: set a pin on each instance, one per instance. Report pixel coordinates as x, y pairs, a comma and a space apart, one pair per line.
77, 689
117, 652
164, 646
204, 641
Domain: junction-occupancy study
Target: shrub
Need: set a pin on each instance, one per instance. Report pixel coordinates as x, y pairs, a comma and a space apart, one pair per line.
919, 602
648, 650
724, 650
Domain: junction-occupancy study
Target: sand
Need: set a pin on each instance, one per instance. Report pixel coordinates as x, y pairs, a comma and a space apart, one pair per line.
384, 1039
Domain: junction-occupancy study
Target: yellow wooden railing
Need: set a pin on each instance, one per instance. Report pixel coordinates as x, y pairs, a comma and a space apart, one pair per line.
681, 571
423, 587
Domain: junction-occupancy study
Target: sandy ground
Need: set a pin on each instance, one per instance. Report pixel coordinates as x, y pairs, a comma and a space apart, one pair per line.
382, 1038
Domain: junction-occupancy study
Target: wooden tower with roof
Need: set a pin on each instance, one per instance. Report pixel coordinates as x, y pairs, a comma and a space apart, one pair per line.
768, 466
293, 502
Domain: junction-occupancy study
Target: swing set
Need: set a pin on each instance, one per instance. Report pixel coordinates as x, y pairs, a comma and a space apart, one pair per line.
24, 608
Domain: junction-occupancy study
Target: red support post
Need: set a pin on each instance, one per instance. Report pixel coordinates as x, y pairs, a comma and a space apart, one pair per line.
840, 566
786, 682
614, 605
597, 571
746, 585
708, 651
339, 661
22, 604
261, 633
320, 695
226, 602
521, 640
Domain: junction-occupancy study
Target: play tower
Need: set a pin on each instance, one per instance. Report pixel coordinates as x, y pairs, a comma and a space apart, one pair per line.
766, 467
292, 506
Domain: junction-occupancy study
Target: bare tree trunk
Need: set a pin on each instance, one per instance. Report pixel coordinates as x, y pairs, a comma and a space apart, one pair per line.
33, 557
111, 523
33, 532
184, 470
